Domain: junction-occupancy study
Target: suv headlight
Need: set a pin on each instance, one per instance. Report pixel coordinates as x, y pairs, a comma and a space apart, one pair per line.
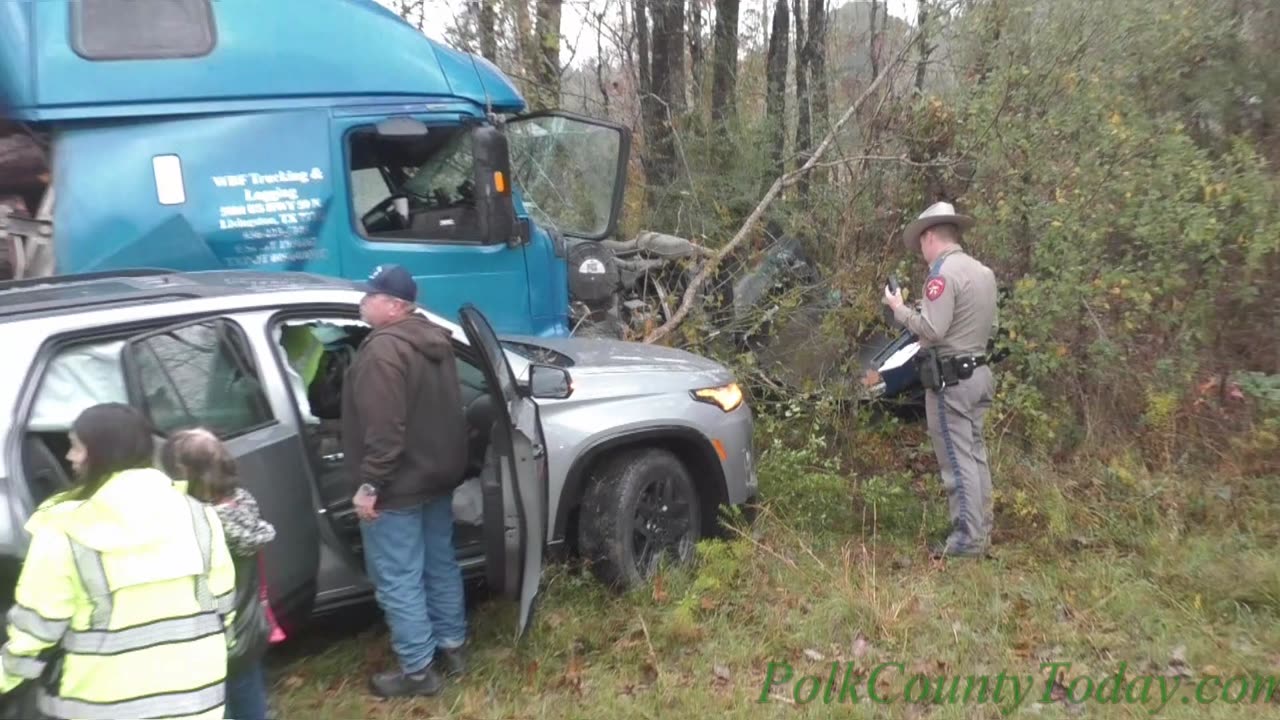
726, 397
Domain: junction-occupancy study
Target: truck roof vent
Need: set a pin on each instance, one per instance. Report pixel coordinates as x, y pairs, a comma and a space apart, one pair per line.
142, 29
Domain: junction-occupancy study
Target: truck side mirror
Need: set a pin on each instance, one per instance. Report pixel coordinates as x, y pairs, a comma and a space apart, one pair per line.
494, 205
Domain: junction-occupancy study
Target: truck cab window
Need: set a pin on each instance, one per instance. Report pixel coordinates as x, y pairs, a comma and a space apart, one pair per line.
414, 189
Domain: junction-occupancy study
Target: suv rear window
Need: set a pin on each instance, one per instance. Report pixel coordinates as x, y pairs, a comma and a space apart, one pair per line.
142, 29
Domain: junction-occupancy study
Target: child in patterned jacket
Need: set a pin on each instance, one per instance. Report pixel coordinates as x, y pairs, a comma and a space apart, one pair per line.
199, 458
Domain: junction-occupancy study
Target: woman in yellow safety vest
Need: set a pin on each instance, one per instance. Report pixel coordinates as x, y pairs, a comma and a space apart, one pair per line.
125, 599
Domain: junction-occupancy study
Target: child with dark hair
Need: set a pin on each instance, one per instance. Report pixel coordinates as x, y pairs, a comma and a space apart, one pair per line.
199, 458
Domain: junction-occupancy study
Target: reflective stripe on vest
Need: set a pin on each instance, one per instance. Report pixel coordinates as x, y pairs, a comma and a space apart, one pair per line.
36, 625
204, 538
174, 704
94, 578
140, 637
22, 665
226, 602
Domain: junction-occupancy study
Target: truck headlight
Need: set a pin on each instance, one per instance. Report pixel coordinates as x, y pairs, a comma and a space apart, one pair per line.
726, 397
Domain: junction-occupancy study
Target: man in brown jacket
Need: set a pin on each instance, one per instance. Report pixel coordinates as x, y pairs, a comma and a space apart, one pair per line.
404, 439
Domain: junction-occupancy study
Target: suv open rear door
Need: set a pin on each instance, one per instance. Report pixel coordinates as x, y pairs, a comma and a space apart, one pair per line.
515, 491
202, 373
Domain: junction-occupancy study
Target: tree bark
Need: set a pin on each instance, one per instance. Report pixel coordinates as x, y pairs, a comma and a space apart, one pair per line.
818, 64
697, 50
724, 79
776, 81
873, 50
804, 135
925, 48
668, 78
547, 57
487, 21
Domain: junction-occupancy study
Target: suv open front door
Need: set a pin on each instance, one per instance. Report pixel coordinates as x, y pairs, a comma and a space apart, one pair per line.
202, 373
515, 492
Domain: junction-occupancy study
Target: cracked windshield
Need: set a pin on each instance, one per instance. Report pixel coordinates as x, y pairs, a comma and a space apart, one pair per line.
567, 171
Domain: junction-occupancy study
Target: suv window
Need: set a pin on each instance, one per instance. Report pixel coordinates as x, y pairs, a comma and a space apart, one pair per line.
199, 374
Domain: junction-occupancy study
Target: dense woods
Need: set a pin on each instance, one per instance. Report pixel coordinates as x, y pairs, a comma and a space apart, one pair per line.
1120, 160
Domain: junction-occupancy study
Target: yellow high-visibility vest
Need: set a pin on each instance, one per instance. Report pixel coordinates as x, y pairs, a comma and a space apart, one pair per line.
137, 587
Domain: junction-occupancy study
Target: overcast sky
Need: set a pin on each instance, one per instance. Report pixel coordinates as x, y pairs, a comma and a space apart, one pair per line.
578, 33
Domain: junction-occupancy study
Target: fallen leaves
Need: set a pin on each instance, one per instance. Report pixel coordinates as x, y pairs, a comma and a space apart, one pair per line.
861, 646
572, 678
659, 590
814, 655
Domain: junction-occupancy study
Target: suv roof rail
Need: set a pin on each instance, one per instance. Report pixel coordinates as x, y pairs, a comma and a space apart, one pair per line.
82, 277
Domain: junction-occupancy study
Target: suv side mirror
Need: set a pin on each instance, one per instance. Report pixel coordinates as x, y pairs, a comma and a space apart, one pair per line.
547, 382
492, 165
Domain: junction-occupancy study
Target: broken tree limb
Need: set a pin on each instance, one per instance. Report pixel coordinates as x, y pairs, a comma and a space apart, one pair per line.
691, 292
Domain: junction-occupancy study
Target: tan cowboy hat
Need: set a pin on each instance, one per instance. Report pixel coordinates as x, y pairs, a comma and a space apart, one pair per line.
939, 213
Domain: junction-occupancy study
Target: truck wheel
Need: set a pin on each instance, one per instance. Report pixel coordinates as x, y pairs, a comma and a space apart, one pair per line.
640, 507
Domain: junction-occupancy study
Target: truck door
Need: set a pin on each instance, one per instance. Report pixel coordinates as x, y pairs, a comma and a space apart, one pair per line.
570, 171
202, 373
515, 496
409, 201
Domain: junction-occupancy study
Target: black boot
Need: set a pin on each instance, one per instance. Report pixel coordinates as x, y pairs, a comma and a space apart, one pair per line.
453, 661
394, 683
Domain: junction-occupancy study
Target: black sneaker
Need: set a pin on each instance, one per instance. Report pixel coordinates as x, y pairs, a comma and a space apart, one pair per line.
394, 683
453, 661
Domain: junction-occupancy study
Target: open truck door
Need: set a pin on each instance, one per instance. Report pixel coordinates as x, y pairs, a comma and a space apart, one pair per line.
202, 373
571, 171
515, 487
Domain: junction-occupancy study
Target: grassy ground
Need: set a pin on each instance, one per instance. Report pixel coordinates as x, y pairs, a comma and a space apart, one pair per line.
1176, 578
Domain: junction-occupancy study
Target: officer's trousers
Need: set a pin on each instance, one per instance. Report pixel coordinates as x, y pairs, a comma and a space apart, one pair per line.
956, 414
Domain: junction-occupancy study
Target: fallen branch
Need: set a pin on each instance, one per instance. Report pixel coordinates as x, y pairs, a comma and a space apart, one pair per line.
691, 292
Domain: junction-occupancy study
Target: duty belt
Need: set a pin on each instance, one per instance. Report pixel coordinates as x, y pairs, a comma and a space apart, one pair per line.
937, 373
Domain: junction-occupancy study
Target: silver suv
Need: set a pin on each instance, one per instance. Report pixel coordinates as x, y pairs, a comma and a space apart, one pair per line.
620, 451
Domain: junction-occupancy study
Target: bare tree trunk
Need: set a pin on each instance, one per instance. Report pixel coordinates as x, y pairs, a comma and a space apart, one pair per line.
697, 51
873, 51
524, 45
547, 58
776, 81
488, 21
804, 134
725, 73
925, 48
600, 83
818, 64
668, 78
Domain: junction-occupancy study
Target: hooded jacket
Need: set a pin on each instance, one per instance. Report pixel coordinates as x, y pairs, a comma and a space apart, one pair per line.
136, 587
403, 429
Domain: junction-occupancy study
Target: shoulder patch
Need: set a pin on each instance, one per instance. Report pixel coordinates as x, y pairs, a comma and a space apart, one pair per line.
935, 287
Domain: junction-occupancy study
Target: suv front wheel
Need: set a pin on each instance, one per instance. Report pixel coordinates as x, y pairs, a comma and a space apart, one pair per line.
640, 507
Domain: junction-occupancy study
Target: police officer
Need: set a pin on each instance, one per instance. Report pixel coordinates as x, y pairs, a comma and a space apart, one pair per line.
954, 324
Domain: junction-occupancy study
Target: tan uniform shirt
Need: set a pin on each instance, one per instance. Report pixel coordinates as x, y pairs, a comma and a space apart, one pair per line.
958, 310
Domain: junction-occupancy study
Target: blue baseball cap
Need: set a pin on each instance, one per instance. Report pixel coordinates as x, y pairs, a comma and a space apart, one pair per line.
392, 280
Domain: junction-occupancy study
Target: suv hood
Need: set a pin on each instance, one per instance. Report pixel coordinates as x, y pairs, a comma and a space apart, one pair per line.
602, 356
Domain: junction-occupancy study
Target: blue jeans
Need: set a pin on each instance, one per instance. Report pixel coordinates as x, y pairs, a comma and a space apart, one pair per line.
247, 694
410, 558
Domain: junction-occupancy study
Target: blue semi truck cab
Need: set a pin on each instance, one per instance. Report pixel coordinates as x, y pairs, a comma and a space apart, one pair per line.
327, 136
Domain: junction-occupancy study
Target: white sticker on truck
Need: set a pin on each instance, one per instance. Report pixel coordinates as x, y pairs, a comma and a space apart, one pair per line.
169, 187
